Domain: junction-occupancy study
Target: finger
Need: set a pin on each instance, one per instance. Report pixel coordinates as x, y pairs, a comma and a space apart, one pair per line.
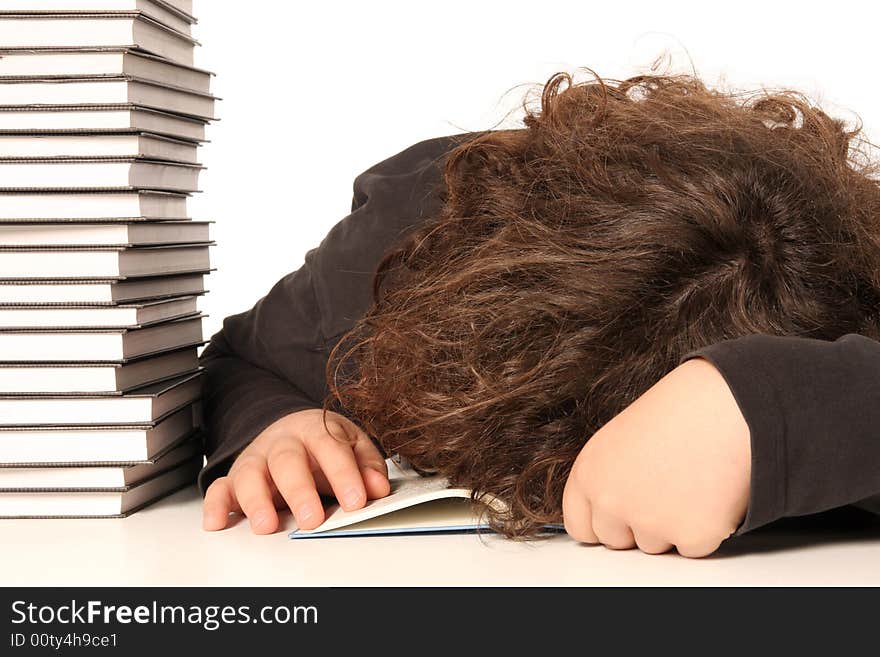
337, 462
376, 483
371, 463
612, 531
289, 467
219, 503
697, 548
577, 515
649, 543
254, 495
321, 483
374, 470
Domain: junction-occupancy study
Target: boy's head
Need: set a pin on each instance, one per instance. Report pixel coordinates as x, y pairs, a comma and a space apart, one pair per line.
578, 259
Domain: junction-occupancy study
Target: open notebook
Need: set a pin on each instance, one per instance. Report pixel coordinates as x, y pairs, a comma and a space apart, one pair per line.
416, 505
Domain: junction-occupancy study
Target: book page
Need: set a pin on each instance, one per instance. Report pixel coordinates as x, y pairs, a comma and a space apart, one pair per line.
408, 489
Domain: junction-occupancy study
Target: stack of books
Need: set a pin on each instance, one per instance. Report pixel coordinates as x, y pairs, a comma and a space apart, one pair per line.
101, 116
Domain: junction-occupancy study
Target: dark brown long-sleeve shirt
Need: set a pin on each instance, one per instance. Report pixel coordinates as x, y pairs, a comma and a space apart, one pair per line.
812, 407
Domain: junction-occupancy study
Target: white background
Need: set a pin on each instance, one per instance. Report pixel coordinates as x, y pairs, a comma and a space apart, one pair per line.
314, 93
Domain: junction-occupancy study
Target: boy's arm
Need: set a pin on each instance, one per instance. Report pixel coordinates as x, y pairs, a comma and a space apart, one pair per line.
270, 361
813, 411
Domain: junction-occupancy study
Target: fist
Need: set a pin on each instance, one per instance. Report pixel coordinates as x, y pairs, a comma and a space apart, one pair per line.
670, 471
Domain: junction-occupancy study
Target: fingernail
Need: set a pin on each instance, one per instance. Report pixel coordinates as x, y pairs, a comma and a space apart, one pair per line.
260, 520
305, 512
352, 497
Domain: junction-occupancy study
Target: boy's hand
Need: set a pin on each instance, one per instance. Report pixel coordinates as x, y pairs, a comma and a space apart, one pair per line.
289, 464
671, 470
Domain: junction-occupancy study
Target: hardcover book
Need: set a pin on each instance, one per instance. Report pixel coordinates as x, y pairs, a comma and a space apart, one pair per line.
98, 174
167, 12
99, 504
97, 345
102, 262
23, 31
69, 146
105, 91
101, 477
30, 207
101, 62
120, 235
98, 118
99, 292
70, 446
141, 406
90, 379
123, 316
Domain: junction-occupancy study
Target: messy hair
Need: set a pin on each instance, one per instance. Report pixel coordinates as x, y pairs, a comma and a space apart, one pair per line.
577, 259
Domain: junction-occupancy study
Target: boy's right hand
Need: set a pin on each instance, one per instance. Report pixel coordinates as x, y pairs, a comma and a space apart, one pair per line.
289, 464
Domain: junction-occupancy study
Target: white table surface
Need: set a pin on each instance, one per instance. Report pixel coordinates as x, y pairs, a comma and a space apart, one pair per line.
165, 545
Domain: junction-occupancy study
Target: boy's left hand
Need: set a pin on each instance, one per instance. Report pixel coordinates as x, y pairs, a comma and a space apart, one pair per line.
671, 470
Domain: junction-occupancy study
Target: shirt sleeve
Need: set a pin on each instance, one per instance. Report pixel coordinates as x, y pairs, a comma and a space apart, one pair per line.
270, 361
813, 412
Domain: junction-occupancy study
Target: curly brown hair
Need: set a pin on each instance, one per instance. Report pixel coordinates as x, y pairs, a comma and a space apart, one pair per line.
576, 260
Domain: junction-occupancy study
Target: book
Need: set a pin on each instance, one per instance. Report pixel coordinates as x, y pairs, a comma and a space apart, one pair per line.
22, 31
166, 12
106, 62
102, 262
186, 6
26, 92
98, 173
98, 345
123, 316
79, 6
147, 146
415, 505
91, 206
152, 233
99, 292
31, 379
78, 446
99, 504
138, 407
101, 118
104, 477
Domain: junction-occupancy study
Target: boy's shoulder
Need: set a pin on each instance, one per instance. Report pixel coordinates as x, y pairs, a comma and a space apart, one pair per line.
419, 155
